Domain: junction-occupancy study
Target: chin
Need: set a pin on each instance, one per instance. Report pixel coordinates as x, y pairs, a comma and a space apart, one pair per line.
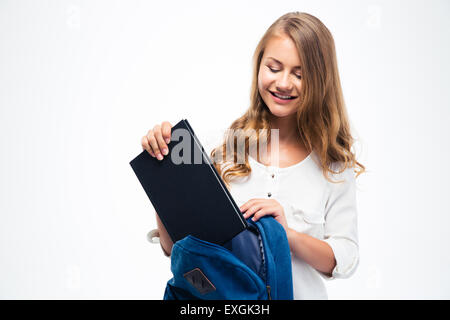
280, 111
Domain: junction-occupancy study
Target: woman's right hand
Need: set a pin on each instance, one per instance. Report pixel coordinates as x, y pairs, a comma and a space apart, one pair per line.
157, 139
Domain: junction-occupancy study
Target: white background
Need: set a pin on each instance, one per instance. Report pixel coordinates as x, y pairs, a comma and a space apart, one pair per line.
82, 81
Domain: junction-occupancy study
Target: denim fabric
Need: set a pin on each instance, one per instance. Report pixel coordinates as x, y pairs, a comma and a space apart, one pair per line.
247, 247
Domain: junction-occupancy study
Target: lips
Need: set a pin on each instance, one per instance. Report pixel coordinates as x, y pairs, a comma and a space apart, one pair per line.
282, 96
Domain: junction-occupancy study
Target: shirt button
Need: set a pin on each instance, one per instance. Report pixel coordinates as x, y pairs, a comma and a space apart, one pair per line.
269, 194
273, 176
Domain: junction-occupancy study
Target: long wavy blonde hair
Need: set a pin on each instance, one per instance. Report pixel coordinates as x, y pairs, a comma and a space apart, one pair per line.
322, 118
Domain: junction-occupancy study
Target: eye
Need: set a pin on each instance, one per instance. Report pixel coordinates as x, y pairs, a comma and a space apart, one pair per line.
298, 76
273, 70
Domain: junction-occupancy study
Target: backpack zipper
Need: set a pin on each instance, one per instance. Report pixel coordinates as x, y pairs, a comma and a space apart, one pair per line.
264, 261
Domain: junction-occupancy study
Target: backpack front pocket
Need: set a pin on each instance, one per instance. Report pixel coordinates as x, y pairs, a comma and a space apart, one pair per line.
210, 271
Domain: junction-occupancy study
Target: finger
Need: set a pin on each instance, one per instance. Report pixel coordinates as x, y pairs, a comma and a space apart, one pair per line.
166, 128
250, 203
246, 206
154, 145
159, 138
146, 146
261, 213
250, 211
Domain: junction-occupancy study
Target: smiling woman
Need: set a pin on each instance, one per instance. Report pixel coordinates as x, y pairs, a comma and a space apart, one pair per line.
295, 90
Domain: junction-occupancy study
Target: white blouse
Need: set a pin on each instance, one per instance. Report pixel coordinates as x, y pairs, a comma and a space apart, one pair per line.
314, 206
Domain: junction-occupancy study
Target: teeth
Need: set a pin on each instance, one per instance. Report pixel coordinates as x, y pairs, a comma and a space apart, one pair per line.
282, 97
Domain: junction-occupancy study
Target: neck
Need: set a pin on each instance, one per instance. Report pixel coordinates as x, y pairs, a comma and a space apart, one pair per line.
288, 129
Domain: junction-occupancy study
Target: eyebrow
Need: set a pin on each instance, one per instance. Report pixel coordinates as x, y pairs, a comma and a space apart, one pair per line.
296, 67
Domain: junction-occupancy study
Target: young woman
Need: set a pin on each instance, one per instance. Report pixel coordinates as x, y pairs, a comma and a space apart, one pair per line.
310, 190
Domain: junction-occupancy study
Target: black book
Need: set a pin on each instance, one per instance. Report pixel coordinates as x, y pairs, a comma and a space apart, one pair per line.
187, 192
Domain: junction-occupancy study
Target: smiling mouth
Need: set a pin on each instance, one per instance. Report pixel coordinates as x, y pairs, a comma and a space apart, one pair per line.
283, 97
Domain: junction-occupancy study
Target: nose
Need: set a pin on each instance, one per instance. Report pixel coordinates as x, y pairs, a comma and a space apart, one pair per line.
284, 85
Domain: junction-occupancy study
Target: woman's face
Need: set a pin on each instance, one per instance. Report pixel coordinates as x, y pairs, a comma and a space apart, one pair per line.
280, 74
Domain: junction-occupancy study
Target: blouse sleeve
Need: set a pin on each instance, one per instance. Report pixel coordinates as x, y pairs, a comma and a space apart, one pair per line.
341, 225
153, 237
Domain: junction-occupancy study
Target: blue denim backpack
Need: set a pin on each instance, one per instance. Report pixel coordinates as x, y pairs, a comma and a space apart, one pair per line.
254, 265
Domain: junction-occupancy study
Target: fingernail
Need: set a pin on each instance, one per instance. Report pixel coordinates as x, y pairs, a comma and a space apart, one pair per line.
159, 156
165, 151
167, 140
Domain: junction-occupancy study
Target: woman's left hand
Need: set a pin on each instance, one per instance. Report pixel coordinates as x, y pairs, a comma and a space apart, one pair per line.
262, 207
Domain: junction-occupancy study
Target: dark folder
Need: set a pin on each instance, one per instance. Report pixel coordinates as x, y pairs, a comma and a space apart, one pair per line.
187, 192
